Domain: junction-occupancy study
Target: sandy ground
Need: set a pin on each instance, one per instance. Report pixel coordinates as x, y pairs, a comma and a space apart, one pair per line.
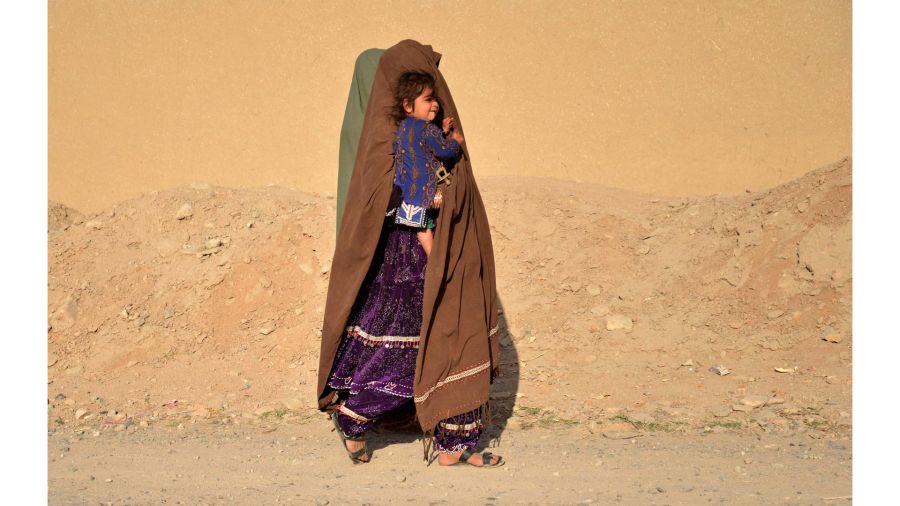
144, 96
300, 463
184, 322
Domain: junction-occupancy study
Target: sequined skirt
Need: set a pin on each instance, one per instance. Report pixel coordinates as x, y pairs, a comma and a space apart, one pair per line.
376, 360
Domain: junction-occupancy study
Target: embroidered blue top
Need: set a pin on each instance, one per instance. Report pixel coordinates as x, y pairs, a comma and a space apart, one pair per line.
418, 148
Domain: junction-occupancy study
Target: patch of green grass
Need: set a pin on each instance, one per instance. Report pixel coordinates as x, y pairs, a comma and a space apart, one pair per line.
727, 424
818, 424
276, 413
530, 411
647, 426
537, 417
550, 421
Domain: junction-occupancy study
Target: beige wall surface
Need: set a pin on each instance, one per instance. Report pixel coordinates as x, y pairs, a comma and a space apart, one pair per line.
668, 97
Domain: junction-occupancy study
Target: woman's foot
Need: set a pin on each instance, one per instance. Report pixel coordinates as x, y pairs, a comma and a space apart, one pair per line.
475, 459
354, 446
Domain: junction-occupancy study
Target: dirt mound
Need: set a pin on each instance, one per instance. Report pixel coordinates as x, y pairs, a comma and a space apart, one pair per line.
206, 302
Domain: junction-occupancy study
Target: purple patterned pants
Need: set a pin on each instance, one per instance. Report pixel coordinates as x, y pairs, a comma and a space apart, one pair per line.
376, 360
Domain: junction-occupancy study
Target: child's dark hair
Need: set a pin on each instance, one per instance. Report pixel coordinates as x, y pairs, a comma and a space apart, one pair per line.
409, 87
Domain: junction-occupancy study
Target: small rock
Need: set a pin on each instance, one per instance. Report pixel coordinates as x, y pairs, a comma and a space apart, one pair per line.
831, 335
185, 211
785, 370
60, 397
401, 479
600, 310
94, 225
803, 206
144, 423
108, 480
770, 345
594, 290
619, 322
742, 408
720, 370
212, 243
80, 413
775, 313
755, 401
69, 402
322, 502
643, 249
594, 329
687, 363
267, 328
722, 412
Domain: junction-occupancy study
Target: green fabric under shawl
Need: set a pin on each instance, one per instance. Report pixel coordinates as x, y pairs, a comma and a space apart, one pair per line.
354, 114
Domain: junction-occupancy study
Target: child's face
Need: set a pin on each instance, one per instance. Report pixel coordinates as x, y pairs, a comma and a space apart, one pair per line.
425, 107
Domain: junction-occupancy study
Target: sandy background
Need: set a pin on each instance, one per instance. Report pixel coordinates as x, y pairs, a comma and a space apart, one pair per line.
183, 337
670, 98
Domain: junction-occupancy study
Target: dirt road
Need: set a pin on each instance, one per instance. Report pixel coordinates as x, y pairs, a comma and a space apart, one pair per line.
302, 463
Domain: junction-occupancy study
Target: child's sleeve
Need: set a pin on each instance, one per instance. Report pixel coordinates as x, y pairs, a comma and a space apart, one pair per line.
442, 146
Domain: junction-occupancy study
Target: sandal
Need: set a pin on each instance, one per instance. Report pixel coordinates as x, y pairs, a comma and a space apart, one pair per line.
485, 459
356, 456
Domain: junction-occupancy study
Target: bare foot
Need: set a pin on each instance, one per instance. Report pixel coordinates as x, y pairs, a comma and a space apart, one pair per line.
448, 459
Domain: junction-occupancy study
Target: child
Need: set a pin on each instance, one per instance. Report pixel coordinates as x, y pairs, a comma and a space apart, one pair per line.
419, 147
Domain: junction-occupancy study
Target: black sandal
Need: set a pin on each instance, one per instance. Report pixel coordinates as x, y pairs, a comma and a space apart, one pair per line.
354, 456
485, 459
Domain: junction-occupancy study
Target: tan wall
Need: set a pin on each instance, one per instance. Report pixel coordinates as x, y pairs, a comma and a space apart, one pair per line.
668, 97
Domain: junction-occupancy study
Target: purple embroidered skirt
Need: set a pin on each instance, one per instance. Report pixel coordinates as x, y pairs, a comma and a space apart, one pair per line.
376, 360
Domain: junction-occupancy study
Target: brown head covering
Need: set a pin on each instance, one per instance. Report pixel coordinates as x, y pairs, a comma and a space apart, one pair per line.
459, 352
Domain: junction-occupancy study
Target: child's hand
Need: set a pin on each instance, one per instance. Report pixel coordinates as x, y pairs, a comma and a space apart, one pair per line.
447, 125
455, 135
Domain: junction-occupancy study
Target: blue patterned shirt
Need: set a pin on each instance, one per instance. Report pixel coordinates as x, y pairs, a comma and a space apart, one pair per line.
419, 147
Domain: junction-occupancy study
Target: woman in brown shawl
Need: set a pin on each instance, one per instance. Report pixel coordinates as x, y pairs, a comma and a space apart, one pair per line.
372, 362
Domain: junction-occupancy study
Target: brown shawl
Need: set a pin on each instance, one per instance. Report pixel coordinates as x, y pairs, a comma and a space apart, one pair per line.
459, 352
